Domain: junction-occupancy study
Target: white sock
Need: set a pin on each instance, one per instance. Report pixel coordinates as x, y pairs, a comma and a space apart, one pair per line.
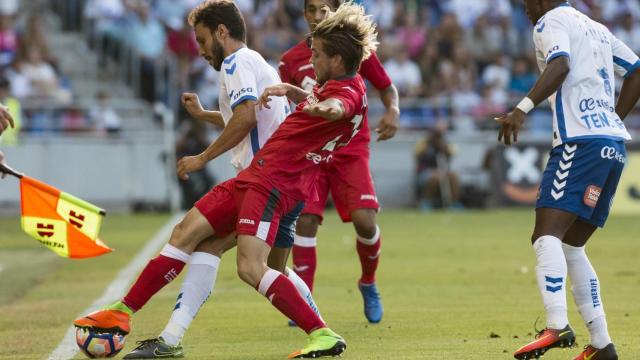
304, 241
173, 252
197, 286
599, 333
551, 273
303, 289
586, 294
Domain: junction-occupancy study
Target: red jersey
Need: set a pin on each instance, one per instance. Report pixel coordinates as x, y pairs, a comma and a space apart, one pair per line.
290, 159
296, 69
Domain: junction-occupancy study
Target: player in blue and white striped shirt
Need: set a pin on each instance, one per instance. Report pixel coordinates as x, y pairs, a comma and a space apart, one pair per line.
578, 58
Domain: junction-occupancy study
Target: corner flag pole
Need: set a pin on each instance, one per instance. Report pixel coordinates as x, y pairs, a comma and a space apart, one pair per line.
7, 170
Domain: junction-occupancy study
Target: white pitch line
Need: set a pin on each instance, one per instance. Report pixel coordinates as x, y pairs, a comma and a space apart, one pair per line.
67, 348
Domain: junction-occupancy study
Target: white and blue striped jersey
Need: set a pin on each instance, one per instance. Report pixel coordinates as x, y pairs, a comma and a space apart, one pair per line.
244, 76
584, 106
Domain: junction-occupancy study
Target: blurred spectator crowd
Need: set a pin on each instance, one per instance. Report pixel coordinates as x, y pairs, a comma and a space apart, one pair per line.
474, 59
470, 60
39, 96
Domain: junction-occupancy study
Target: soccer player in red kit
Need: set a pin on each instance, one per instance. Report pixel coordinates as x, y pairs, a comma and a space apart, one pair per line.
348, 176
283, 174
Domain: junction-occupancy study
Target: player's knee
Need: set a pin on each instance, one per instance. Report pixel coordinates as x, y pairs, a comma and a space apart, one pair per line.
307, 225
212, 246
249, 272
277, 260
540, 231
365, 223
179, 237
367, 230
244, 272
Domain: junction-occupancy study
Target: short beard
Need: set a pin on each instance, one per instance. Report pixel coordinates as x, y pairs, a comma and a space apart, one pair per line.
218, 56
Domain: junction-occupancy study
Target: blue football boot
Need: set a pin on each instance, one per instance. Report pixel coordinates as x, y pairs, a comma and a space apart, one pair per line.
372, 303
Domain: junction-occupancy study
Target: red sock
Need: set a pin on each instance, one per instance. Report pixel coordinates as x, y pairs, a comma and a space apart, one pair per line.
158, 273
369, 258
286, 298
304, 263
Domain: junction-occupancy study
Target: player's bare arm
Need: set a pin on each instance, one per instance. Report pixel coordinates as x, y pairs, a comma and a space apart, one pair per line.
293, 93
6, 120
389, 122
239, 126
330, 109
548, 83
629, 94
191, 103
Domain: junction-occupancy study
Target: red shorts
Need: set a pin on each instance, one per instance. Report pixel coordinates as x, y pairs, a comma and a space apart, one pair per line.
348, 178
248, 209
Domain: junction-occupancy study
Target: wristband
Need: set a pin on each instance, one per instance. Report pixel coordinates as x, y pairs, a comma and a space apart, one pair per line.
526, 105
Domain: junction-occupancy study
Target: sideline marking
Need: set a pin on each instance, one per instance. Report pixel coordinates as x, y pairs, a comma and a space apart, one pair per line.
67, 348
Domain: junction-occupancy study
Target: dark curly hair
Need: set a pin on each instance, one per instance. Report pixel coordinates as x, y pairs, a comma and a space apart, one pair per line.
212, 13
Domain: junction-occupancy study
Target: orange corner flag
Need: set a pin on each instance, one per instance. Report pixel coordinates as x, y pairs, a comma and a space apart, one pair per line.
67, 225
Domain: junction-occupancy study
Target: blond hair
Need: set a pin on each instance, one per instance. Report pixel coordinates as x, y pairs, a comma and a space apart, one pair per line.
350, 33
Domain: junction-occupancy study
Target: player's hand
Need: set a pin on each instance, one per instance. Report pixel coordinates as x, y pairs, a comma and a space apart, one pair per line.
189, 164
5, 119
510, 125
388, 124
322, 110
191, 103
275, 90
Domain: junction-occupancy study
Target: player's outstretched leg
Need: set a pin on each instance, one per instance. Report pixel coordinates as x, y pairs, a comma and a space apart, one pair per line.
586, 292
368, 246
159, 272
199, 283
551, 274
252, 253
197, 286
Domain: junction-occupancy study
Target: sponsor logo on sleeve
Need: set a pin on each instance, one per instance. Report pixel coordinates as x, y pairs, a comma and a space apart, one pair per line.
235, 95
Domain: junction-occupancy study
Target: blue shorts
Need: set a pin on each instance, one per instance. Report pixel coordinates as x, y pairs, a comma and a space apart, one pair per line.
287, 228
581, 178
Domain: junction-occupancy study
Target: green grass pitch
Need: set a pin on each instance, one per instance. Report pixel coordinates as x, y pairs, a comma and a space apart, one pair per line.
454, 286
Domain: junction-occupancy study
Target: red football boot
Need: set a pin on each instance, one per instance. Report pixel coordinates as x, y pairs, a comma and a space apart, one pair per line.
591, 353
106, 320
545, 340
